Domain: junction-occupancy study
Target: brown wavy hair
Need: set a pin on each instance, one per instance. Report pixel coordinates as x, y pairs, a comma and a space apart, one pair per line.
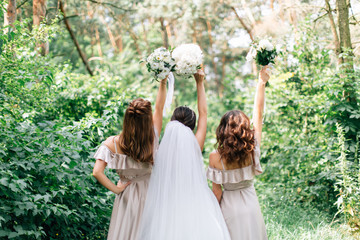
235, 140
137, 136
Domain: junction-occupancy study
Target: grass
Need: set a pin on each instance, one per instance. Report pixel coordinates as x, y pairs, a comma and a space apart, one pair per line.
288, 220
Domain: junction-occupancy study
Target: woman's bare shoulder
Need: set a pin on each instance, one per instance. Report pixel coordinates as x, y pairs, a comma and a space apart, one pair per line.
214, 159
109, 142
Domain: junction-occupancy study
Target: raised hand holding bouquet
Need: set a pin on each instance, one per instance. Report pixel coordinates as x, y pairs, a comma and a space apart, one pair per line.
188, 59
263, 52
160, 63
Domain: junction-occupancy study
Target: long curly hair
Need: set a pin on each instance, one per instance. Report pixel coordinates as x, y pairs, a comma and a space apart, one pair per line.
137, 136
235, 140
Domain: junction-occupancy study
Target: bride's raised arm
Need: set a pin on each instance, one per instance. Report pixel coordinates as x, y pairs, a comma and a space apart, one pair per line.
202, 108
159, 106
259, 102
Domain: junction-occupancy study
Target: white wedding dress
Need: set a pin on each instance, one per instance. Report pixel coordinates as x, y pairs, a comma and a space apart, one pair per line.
179, 204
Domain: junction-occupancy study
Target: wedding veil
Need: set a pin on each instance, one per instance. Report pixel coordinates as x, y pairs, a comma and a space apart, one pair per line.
179, 203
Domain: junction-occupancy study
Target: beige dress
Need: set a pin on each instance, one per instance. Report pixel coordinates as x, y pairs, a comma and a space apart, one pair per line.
128, 205
239, 203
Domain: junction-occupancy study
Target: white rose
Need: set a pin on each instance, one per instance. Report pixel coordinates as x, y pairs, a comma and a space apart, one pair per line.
262, 44
154, 65
161, 66
265, 44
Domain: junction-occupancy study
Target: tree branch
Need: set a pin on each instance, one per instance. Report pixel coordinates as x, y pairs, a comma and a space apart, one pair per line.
72, 35
243, 24
111, 5
22, 4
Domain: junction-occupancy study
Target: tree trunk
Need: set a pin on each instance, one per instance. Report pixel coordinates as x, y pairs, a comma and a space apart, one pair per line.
72, 35
345, 46
145, 36
111, 36
132, 34
119, 42
344, 29
10, 15
39, 12
223, 69
169, 36
98, 42
208, 24
272, 4
333, 29
164, 33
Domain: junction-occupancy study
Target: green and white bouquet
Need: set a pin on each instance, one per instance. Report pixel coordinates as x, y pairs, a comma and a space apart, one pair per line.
160, 63
263, 52
188, 59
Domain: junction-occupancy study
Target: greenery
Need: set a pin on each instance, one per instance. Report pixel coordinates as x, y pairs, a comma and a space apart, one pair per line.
53, 114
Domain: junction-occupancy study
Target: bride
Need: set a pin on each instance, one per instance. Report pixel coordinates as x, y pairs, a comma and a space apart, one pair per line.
179, 203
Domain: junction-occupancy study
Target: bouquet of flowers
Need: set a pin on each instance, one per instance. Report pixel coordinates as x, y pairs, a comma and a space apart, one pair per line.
188, 59
160, 63
263, 52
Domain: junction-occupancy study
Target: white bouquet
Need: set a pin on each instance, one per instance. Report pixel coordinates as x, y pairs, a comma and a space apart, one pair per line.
263, 52
160, 63
188, 59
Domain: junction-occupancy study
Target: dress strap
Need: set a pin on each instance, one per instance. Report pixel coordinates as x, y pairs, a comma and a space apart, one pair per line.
115, 145
222, 164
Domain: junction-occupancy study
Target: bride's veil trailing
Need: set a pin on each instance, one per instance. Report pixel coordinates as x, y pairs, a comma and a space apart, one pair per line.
179, 204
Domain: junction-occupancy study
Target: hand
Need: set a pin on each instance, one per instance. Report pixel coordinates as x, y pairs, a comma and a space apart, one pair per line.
121, 186
164, 80
264, 74
199, 76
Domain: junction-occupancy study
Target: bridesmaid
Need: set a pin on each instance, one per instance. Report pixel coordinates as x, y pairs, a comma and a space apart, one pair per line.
234, 165
131, 153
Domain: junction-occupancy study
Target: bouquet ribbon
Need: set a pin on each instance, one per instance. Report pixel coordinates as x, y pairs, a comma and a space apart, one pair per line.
170, 93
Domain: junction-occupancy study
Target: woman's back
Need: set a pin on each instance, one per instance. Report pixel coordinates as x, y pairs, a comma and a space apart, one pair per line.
239, 203
128, 205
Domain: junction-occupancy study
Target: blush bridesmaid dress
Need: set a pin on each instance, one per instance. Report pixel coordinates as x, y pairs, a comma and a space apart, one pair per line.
128, 205
239, 203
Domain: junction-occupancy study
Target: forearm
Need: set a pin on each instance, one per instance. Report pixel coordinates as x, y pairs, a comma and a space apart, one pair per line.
105, 181
161, 96
259, 101
259, 109
202, 106
217, 191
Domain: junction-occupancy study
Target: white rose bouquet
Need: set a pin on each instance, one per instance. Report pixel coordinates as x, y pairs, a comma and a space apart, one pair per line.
263, 52
188, 59
160, 63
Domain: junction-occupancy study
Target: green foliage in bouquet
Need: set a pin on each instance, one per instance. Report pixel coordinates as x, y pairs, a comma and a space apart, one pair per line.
265, 57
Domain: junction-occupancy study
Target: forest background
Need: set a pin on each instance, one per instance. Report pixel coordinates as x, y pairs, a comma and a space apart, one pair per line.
69, 68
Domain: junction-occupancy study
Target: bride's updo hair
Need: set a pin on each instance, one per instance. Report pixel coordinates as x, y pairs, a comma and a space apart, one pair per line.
137, 137
185, 115
235, 140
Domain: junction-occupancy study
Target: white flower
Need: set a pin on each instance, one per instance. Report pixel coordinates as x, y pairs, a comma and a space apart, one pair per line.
161, 66
157, 60
187, 58
154, 65
251, 54
265, 44
167, 59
